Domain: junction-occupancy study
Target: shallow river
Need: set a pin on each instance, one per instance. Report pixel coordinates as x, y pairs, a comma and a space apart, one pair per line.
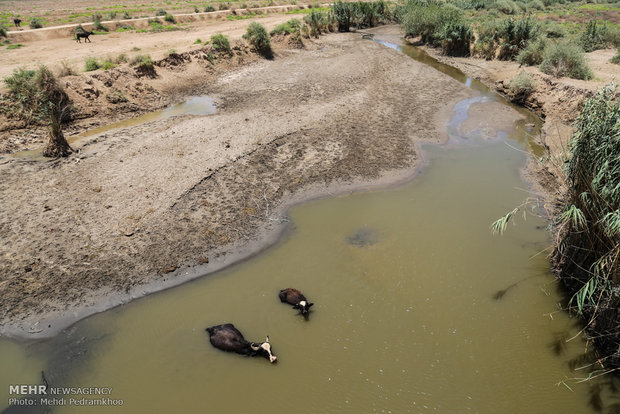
418, 308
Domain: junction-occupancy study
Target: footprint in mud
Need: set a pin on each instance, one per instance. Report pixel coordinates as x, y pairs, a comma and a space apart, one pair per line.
363, 237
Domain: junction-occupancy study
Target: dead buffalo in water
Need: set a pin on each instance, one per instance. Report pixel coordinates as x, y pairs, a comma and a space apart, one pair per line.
295, 298
228, 338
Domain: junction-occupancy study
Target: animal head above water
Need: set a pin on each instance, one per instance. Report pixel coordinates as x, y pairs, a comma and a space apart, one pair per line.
264, 349
304, 307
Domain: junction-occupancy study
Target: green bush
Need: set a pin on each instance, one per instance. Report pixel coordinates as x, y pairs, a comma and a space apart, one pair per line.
66, 70
488, 40
507, 7
515, 35
456, 38
343, 12
142, 62
112, 15
565, 59
108, 64
36, 23
161, 12
122, 58
314, 20
259, 39
126, 16
3, 31
90, 64
522, 86
221, 43
209, 8
427, 18
611, 36
14, 46
37, 95
21, 85
536, 5
593, 37
533, 53
616, 58
589, 226
553, 30
292, 26
169, 18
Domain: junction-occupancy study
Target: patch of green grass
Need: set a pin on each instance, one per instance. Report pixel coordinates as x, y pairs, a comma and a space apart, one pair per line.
90, 64
125, 29
14, 46
108, 64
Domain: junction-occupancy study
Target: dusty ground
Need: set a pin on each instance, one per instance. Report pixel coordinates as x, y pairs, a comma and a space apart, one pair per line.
135, 208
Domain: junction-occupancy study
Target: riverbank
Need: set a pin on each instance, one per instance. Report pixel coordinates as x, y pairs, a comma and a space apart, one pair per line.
149, 207
558, 101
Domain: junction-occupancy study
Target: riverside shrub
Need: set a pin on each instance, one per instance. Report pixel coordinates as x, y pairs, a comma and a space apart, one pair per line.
259, 39
220, 42
565, 59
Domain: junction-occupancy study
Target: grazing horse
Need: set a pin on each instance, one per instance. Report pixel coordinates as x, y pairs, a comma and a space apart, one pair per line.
84, 34
17, 22
228, 338
295, 298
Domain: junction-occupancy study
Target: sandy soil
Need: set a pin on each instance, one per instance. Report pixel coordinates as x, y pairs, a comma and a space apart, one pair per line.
151, 206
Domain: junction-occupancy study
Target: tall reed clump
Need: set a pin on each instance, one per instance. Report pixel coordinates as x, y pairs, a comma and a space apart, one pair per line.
343, 12
587, 252
534, 53
37, 95
515, 36
438, 24
593, 37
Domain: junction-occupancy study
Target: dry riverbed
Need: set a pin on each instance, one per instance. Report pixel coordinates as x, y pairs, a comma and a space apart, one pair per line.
148, 207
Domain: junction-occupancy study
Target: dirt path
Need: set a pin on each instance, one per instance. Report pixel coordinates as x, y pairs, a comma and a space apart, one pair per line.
41, 47
137, 207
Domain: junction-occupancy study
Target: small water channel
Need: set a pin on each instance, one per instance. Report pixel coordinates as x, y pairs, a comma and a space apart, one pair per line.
418, 308
196, 105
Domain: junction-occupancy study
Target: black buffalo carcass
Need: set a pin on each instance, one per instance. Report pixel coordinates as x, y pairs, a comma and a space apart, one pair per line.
228, 338
297, 299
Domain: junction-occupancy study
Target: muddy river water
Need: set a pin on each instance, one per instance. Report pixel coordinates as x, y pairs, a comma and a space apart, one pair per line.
418, 308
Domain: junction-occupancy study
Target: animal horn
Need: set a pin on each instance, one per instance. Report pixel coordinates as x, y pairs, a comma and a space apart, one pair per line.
254, 346
267, 339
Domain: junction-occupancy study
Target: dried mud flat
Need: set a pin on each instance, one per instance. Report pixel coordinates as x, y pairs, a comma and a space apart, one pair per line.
148, 207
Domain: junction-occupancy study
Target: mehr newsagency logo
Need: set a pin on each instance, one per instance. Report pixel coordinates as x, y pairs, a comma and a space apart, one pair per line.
43, 395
